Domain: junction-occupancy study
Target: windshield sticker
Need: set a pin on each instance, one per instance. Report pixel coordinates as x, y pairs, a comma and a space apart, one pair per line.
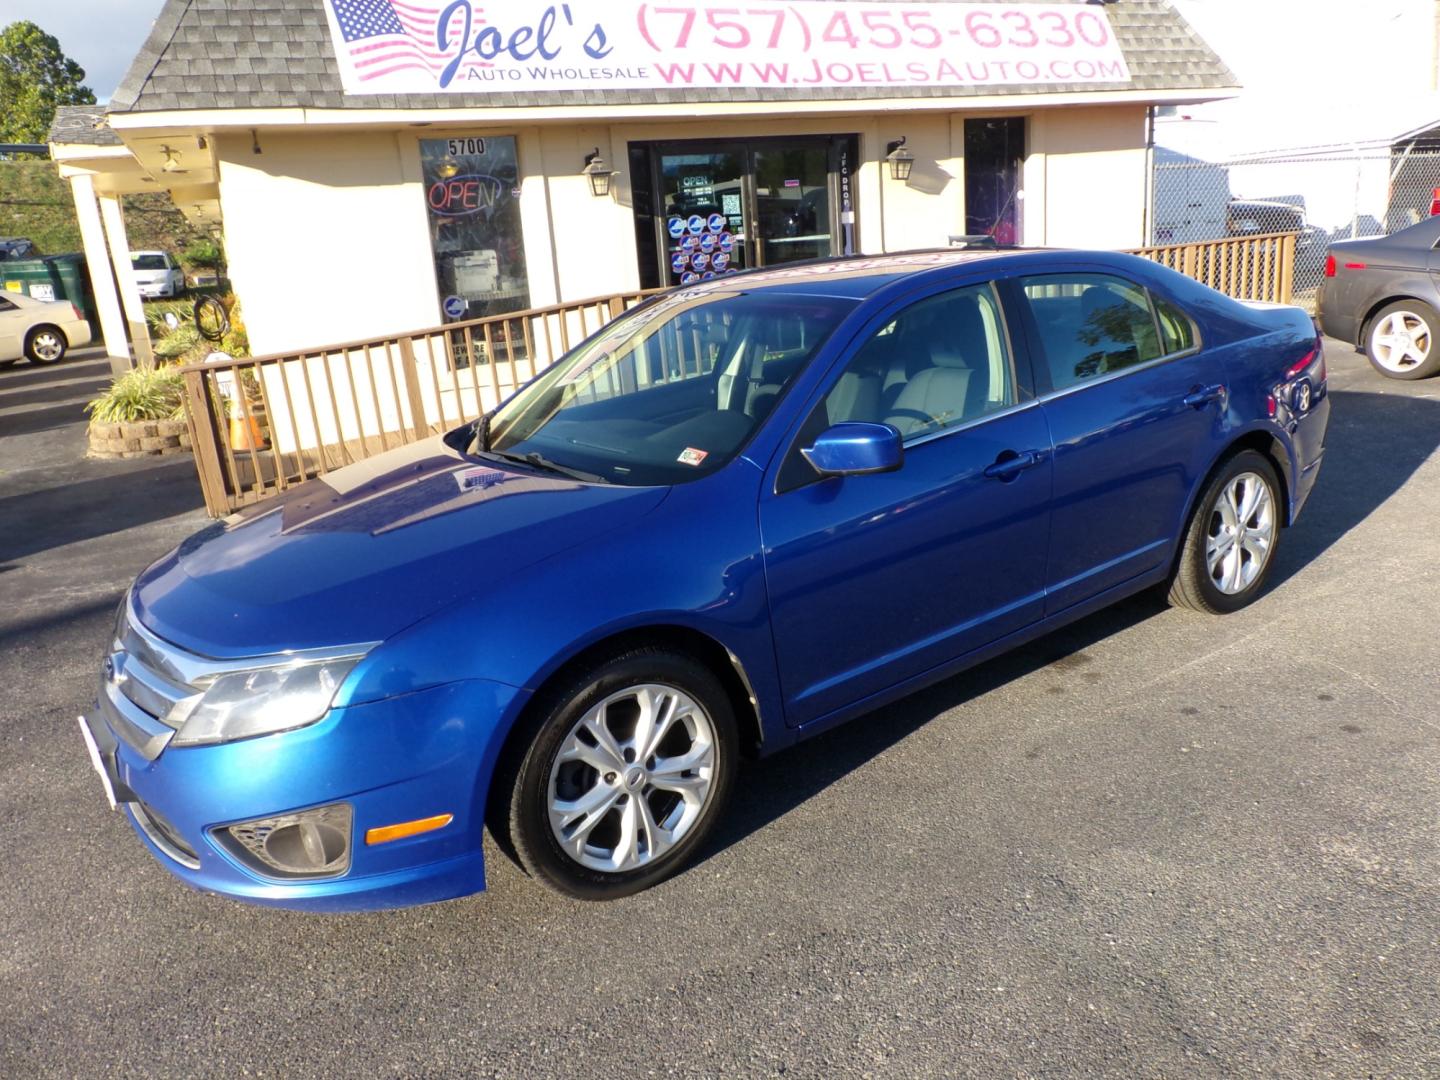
691, 456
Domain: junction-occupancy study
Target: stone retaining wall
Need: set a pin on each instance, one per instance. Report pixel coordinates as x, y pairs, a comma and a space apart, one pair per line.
141, 439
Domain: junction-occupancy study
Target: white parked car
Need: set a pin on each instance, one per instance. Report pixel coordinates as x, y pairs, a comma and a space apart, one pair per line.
157, 273
39, 329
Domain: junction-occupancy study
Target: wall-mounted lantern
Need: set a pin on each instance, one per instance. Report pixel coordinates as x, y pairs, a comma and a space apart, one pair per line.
598, 174
901, 160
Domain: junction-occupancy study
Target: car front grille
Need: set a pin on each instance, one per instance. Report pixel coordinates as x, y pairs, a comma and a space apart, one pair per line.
147, 688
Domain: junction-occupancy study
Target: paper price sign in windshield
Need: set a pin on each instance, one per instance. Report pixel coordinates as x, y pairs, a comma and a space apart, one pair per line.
386, 47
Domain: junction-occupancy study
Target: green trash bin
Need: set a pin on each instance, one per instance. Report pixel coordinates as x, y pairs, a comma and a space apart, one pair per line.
54, 277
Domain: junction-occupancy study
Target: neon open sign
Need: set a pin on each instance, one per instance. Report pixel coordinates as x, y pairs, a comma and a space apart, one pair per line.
459, 196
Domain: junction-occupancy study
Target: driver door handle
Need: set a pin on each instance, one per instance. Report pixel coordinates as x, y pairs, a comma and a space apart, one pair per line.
1010, 464
1201, 396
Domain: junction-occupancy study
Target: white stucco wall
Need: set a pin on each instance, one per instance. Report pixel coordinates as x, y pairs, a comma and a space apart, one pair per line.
1086, 178
328, 239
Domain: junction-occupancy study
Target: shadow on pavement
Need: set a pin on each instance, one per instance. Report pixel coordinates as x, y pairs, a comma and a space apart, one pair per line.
32, 420
60, 621
97, 506
27, 375
1375, 443
81, 384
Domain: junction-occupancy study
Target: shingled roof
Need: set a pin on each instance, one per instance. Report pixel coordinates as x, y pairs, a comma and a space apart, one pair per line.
82, 125
239, 54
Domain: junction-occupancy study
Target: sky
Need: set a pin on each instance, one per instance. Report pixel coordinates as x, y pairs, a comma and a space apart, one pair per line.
1314, 71
102, 36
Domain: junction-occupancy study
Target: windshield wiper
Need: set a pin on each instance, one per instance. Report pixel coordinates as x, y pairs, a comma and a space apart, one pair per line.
537, 460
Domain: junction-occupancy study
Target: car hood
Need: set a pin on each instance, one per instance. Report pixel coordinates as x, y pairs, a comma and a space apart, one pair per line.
366, 551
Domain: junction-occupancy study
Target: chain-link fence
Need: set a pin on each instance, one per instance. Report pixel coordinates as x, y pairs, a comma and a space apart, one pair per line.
1319, 195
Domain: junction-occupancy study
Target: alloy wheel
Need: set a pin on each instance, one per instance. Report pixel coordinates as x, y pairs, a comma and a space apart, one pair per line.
632, 777
1240, 534
1401, 340
47, 346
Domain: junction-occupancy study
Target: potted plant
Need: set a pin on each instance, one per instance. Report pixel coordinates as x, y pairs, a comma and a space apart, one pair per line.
141, 413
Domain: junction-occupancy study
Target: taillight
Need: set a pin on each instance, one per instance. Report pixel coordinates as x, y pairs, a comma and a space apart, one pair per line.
1298, 368
75, 311
1329, 265
1434, 201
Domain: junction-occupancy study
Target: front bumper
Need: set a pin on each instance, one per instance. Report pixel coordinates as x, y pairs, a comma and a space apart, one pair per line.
400, 759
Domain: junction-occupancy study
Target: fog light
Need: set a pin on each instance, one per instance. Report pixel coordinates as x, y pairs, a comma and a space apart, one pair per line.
307, 844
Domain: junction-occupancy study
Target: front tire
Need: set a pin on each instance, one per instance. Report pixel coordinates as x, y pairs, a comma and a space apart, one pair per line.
1231, 539
46, 345
629, 767
1403, 340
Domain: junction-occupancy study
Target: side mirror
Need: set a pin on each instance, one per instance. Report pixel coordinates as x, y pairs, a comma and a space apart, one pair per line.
853, 449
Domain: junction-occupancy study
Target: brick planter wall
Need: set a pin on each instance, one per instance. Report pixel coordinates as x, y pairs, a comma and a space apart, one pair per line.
145, 438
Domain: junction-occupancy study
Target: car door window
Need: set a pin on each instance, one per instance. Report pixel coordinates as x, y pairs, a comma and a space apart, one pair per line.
941, 362
1090, 325
6, 305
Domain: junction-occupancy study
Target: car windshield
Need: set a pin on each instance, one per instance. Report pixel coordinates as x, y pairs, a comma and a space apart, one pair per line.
148, 262
668, 393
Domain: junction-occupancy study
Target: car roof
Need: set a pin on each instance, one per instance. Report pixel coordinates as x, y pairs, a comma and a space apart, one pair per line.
851, 276
134, 254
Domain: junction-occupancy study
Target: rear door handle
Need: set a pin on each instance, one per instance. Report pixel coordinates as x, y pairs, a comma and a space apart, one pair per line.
1204, 395
1010, 464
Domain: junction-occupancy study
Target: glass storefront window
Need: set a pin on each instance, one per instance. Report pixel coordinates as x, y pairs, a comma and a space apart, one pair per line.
719, 207
472, 194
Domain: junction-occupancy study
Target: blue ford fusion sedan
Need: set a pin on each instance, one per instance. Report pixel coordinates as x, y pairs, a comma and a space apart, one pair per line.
740, 514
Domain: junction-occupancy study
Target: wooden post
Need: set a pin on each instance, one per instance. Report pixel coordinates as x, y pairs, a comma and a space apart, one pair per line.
204, 444
1287, 268
418, 424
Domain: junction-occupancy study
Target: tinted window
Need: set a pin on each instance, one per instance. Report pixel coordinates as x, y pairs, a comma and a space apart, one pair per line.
1177, 332
6, 305
149, 262
937, 364
1090, 325
670, 392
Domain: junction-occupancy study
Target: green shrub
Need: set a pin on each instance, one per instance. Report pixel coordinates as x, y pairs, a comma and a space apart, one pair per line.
140, 394
156, 310
204, 252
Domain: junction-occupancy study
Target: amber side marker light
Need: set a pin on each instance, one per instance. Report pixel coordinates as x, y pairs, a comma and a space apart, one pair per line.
386, 833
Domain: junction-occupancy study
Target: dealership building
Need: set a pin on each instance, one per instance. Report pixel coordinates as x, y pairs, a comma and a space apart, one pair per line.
378, 166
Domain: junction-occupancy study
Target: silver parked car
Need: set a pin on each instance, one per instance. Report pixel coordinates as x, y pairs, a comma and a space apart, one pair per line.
1380, 294
41, 330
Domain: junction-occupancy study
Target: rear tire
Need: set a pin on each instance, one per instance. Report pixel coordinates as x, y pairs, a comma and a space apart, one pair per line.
1231, 539
598, 818
46, 345
1403, 340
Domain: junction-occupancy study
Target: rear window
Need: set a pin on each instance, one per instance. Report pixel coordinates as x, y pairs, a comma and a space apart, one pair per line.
1177, 332
149, 262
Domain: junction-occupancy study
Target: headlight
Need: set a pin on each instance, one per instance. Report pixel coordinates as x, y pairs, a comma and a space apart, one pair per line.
261, 700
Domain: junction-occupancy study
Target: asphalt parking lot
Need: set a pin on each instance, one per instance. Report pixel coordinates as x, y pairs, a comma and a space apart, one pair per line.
1156, 844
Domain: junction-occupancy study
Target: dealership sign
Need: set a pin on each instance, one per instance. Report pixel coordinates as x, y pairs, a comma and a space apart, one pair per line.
395, 47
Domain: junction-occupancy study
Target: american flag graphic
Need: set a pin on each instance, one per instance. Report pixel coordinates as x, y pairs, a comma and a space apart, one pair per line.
385, 36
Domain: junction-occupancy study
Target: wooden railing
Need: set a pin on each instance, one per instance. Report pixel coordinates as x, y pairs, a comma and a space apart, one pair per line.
1246, 267
264, 424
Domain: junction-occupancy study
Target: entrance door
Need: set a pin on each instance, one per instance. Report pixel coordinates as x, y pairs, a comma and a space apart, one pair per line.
703, 210
720, 207
994, 160
792, 202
